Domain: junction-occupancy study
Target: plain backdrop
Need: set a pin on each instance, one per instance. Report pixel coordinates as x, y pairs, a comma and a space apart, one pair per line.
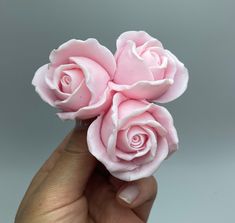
197, 183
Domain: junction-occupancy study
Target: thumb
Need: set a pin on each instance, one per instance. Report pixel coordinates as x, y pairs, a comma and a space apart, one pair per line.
67, 179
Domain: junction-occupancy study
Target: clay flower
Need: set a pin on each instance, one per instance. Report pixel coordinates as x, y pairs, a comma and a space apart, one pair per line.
146, 70
76, 79
131, 134
132, 138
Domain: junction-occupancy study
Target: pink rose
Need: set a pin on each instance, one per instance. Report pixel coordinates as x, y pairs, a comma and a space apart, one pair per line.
145, 70
132, 138
76, 80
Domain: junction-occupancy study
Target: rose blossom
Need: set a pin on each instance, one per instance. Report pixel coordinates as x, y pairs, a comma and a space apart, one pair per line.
76, 80
132, 138
145, 70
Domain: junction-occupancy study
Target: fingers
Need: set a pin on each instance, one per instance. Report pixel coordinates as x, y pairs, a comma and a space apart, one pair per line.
43, 172
139, 196
47, 166
64, 175
50, 162
72, 169
102, 203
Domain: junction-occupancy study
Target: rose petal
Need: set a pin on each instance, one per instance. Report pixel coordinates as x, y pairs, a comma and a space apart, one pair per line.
112, 138
122, 141
150, 59
97, 149
149, 46
148, 169
131, 156
165, 119
171, 66
96, 77
152, 124
132, 112
131, 133
76, 76
132, 153
130, 109
52, 80
179, 86
139, 37
109, 125
80, 98
130, 67
89, 48
90, 111
41, 86
144, 89
151, 148
152, 140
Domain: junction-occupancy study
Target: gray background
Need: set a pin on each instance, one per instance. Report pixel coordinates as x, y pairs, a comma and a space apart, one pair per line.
197, 183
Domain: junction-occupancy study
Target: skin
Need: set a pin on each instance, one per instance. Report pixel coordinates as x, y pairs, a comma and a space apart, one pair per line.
72, 186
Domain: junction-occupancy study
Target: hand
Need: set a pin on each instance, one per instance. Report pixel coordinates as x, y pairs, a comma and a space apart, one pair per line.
72, 186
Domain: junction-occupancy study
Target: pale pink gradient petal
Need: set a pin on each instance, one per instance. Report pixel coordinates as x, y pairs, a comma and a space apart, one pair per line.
139, 121
109, 125
153, 139
151, 148
53, 79
147, 169
158, 72
122, 141
136, 161
131, 156
132, 112
90, 111
98, 149
80, 98
149, 45
153, 56
150, 90
142, 59
135, 113
66, 84
180, 84
139, 37
41, 86
89, 48
112, 140
76, 76
165, 119
136, 131
171, 66
96, 77
130, 108
134, 153
149, 58
130, 67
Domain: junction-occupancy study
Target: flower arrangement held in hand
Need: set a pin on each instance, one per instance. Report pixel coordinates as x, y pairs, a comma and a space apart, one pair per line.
131, 135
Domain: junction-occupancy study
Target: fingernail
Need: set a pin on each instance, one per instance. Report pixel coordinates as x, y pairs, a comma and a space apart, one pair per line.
129, 194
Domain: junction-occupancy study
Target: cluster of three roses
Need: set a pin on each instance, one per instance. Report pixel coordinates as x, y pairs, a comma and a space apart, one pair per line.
131, 135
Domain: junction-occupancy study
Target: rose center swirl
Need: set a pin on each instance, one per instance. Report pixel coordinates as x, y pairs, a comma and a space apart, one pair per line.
138, 141
70, 80
66, 80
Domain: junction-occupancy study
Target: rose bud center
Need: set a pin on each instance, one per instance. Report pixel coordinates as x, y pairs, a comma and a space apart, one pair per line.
138, 141
70, 80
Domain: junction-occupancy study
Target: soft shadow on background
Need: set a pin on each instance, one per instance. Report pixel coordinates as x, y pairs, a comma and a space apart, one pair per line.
197, 183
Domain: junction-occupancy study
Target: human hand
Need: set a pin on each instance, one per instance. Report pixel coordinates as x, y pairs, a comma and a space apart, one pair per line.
72, 186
